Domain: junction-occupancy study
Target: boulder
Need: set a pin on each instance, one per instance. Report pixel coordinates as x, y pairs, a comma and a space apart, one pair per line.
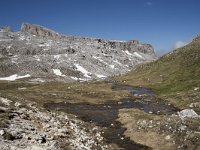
188, 113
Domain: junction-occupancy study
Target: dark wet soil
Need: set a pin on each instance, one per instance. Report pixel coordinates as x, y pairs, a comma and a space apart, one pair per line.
105, 115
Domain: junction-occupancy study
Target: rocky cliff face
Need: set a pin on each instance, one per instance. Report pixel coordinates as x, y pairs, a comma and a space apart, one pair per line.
39, 31
40, 54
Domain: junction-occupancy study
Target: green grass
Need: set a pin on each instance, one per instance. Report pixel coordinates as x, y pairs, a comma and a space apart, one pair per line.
174, 75
95, 92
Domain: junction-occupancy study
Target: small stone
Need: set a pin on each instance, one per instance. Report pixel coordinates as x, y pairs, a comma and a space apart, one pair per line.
22, 88
17, 104
192, 105
2, 132
40, 138
119, 103
168, 137
182, 128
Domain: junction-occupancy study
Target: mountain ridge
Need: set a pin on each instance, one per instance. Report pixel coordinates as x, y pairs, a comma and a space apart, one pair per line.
44, 53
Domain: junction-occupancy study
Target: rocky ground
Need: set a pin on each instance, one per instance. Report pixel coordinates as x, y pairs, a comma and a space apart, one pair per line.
31, 127
162, 132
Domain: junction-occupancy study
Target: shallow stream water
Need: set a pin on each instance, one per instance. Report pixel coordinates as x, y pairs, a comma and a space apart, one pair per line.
105, 115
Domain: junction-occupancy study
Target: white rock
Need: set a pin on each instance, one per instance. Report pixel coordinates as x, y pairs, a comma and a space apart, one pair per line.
22, 88
2, 132
17, 104
189, 113
5, 101
182, 127
192, 105
119, 103
168, 137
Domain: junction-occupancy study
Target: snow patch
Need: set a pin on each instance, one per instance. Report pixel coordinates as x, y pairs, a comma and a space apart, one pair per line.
56, 56
14, 77
112, 66
22, 38
138, 55
100, 76
117, 62
127, 52
22, 88
38, 80
99, 58
83, 70
79, 79
75, 78
58, 72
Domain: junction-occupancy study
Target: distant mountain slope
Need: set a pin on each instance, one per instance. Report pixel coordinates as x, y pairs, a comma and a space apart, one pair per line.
177, 74
43, 54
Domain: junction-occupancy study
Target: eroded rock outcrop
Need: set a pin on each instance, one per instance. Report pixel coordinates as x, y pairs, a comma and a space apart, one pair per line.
39, 31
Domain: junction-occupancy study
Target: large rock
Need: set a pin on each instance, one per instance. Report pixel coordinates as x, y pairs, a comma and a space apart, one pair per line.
188, 113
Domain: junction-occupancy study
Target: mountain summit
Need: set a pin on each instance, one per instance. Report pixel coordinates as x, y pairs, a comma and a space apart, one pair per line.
43, 54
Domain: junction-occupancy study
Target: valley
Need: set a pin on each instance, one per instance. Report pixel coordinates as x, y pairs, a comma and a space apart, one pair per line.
63, 104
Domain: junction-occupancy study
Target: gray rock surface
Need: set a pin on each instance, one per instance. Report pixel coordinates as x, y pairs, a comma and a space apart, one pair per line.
34, 128
44, 55
39, 31
188, 113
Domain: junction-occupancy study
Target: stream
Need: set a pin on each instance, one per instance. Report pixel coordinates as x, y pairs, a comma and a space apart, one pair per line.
105, 115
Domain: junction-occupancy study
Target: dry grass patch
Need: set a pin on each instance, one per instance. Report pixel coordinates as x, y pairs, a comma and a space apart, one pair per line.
151, 136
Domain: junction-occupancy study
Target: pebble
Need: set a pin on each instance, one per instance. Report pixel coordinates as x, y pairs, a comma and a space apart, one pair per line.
168, 137
2, 132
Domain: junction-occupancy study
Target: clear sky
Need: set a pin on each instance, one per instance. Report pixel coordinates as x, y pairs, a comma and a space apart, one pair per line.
162, 23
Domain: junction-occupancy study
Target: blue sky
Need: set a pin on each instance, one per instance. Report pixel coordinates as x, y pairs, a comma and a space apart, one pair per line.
162, 23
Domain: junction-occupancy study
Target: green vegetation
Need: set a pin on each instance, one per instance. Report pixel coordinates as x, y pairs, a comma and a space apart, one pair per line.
97, 92
175, 75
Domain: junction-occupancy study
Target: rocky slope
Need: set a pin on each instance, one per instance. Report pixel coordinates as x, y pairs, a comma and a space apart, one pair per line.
42, 54
28, 126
